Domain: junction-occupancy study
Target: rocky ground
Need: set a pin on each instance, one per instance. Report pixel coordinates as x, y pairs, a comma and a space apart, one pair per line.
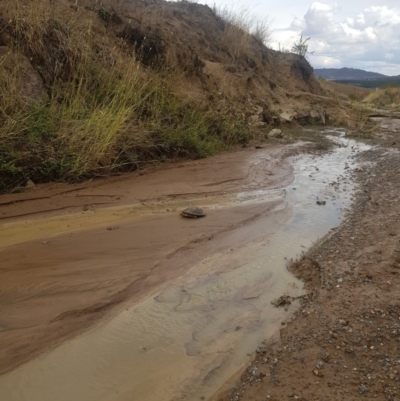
344, 341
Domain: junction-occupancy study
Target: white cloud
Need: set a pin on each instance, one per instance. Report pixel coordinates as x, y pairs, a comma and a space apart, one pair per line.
327, 62
354, 33
319, 19
298, 23
369, 37
360, 21
381, 15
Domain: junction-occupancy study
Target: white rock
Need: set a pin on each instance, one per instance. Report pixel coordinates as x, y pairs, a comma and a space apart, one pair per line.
288, 116
275, 133
29, 184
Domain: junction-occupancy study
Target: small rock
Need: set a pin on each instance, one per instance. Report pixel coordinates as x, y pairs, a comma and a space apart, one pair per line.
282, 301
112, 228
321, 202
30, 184
362, 389
193, 212
318, 115
287, 116
275, 133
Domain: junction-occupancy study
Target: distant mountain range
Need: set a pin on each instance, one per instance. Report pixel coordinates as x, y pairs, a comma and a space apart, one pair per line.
349, 74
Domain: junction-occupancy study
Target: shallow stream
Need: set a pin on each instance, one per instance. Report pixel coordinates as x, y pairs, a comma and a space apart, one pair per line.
191, 335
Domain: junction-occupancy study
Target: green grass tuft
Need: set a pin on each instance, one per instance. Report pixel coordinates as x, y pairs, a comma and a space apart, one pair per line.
100, 116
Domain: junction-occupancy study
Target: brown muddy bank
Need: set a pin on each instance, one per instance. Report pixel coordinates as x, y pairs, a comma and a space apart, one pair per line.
185, 301
61, 268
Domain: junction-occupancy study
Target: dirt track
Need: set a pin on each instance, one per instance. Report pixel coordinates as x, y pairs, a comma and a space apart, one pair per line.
344, 341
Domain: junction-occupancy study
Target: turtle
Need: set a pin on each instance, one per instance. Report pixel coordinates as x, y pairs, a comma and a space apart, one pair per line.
193, 212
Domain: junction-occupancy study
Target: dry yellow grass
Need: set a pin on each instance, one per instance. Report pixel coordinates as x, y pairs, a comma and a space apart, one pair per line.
240, 26
387, 98
344, 92
104, 111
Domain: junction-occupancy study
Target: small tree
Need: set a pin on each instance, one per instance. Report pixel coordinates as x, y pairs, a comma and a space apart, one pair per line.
301, 47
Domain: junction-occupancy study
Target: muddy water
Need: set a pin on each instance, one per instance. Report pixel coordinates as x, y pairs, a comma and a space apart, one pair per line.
188, 336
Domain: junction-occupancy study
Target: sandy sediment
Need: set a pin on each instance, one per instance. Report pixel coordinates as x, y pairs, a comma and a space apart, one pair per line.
73, 254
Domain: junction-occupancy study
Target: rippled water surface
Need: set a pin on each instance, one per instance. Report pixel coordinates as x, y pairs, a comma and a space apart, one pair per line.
186, 339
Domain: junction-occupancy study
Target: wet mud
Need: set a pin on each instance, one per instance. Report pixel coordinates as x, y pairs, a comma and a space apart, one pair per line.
343, 342
183, 302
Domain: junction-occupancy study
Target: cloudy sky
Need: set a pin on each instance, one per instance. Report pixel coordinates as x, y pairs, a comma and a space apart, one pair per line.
347, 33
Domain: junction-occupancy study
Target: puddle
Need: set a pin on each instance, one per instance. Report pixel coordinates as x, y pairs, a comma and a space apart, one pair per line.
186, 339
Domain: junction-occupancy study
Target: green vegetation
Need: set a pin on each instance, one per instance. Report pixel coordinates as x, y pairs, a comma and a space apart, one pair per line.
101, 113
301, 47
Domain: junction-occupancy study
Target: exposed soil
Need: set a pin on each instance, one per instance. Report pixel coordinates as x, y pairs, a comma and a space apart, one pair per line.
72, 253
75, 254
343, 343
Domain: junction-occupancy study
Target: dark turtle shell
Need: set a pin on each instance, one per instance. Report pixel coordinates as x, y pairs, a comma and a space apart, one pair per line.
193, 212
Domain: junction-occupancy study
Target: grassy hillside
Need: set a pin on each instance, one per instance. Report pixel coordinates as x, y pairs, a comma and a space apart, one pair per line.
90, 88
385, 98
344, 92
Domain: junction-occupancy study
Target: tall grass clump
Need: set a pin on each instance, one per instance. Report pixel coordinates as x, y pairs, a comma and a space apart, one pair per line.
240, 26
384, 98
101, 110
360, 123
